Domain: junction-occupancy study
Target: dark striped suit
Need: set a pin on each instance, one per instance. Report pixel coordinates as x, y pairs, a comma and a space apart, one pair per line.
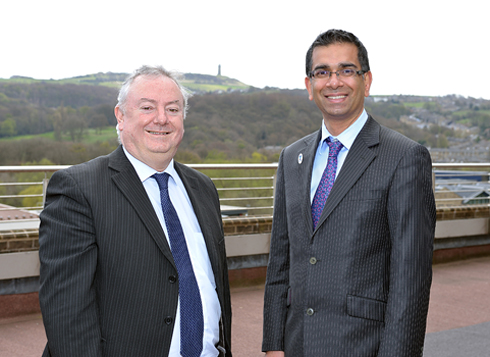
366, 291
109, 285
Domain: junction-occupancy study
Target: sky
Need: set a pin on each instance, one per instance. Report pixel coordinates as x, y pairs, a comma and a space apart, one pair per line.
417, 47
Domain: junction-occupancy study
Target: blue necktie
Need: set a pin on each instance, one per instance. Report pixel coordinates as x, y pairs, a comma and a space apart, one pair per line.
326, 183
191, 316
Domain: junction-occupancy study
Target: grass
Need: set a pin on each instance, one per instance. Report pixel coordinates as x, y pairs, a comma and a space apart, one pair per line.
105, 80
106, 134
469, 112
211, 87
49, 135
414, 104
21, 80
90, 136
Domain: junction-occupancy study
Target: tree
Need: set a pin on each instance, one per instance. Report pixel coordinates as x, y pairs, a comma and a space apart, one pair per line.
58, 120
98, 122
74, 125
8, 128
442, 141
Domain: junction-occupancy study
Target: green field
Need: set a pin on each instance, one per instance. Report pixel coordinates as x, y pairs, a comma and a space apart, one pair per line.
212, 87
468, 112
114, 80
414, 104
90, 136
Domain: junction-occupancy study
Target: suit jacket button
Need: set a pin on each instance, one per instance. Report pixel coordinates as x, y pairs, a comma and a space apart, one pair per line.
172, 279
313, 260
169, 320
310, 311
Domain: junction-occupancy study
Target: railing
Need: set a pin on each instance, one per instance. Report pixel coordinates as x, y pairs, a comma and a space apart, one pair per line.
246, 189
34, 178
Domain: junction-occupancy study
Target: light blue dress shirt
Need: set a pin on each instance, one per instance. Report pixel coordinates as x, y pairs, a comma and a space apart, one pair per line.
347, 138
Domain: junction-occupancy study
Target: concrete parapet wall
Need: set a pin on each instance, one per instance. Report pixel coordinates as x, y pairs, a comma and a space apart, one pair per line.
463, 212
461, 232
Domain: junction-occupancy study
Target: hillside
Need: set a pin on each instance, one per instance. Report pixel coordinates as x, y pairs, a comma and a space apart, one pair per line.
72, 120
201, 83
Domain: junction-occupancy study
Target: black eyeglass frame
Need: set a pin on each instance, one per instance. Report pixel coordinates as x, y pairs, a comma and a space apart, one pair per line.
360, 72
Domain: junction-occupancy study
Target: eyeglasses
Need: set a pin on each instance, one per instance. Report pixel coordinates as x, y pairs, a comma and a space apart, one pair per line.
342, 74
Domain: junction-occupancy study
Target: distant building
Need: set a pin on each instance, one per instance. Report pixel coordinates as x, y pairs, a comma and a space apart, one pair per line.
461, 194
219, 70
9, 213
461, 176
19, 232
456, 188
459, 155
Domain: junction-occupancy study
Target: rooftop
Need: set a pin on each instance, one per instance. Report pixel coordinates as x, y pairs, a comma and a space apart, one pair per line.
458, 322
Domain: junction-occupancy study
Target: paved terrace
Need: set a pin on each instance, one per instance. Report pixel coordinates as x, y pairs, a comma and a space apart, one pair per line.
458, 323
459, 313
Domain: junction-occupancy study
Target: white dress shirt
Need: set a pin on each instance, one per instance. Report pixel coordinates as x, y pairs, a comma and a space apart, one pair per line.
347, 138
197, 250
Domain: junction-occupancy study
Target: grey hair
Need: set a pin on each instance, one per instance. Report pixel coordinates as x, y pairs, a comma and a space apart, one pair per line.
152, 71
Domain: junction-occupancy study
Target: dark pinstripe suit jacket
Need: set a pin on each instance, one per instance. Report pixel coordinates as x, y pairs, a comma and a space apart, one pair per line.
366, 292
108, 280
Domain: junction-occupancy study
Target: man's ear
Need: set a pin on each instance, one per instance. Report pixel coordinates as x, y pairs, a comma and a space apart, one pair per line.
308, 87
119, 114
368, 80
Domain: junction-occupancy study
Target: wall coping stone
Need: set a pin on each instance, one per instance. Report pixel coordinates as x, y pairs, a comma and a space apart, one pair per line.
250, 225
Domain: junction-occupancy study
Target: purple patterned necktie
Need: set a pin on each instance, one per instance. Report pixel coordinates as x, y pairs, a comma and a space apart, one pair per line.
327, 180
191, 315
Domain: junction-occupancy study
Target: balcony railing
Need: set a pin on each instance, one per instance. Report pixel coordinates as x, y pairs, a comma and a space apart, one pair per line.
244, 189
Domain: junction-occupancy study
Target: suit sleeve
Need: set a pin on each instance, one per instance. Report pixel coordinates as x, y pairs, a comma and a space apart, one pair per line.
68, 255
411, 217
277, 282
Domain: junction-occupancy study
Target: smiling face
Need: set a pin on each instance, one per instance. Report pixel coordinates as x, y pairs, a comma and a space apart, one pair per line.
340, 100
151, 121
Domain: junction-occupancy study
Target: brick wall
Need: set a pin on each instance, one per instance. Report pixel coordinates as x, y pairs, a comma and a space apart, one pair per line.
28, 240
19, 241
247, 225
463, 212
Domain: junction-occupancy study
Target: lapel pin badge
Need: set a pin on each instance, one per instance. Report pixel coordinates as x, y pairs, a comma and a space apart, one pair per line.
300, 158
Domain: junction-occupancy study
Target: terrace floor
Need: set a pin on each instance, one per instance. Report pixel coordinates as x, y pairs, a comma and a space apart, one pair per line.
458, 322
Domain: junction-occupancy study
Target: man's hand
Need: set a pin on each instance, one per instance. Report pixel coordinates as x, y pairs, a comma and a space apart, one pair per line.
274, 354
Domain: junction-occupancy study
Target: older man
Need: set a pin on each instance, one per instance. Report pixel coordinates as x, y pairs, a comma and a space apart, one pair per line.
132, 250
354, 217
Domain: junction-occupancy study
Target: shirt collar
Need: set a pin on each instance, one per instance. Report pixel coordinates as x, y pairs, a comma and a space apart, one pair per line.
348, 136
144, 171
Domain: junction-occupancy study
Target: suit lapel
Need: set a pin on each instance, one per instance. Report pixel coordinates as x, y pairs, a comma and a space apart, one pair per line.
303, 174
357, 161
128, 182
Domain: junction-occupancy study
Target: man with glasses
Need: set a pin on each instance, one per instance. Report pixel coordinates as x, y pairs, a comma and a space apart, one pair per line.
350, 264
